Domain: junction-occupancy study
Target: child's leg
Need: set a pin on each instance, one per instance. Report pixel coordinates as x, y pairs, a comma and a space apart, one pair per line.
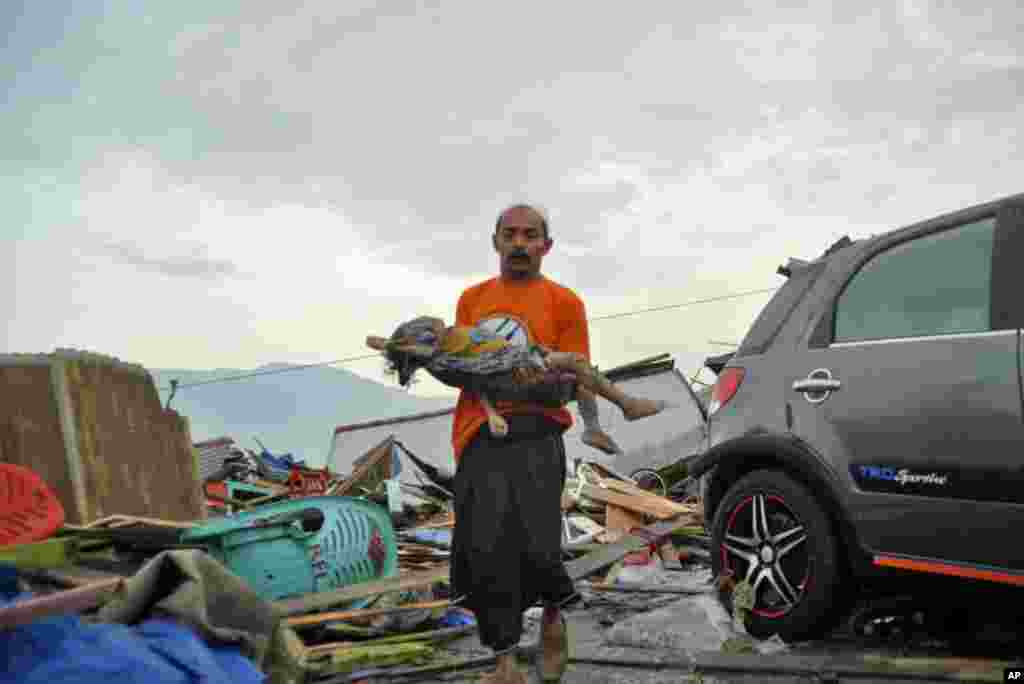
633, 408
593, 434
497, 423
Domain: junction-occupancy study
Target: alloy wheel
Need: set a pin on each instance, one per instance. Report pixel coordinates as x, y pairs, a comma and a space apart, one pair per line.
765, 543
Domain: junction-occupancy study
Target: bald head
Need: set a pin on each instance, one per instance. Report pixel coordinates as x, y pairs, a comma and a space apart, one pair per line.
521, 240
523, 214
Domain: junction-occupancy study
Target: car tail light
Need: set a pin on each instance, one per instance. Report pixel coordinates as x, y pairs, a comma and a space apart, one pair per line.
728, 383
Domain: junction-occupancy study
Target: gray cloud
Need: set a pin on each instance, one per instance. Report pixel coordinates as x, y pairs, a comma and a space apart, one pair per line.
303, 103
671, 146
193, 266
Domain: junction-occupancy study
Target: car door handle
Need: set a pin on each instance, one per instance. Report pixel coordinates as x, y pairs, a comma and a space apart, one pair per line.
816, 384
818, 381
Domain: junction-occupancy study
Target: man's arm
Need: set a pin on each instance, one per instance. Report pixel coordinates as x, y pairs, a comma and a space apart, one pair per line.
499, 386
575, 334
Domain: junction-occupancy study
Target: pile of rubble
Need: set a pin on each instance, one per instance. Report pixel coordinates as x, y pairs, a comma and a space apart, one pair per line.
309, 575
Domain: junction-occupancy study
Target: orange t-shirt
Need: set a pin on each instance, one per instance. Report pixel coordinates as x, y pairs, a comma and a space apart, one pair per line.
538, 311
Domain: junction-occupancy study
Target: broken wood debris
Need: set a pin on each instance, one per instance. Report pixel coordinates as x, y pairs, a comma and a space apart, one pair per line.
650, 505
645, 521
610, 522
401, 621
74, 600
385, 623
320, 618
324, 600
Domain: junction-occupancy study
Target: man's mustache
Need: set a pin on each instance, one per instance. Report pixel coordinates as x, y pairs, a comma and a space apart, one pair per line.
519, 254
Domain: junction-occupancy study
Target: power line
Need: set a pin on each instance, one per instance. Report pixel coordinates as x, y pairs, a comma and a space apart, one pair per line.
720, 298
274, 371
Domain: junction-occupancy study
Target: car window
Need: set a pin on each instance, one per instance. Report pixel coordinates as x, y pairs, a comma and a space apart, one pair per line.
934, 285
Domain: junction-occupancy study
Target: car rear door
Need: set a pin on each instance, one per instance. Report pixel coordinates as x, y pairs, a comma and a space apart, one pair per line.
910, 386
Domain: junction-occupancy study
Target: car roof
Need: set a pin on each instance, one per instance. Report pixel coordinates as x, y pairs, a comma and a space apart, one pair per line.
963, 215
768, 324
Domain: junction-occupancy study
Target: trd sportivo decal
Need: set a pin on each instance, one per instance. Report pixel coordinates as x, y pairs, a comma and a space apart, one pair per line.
949, 482
902, 476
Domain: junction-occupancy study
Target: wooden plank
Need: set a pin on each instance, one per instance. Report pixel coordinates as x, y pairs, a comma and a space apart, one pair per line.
632, 503
73, 577
320, 618
436, 635
327, 599
633, 490
641, 538
622, 519
98, 523
61, 602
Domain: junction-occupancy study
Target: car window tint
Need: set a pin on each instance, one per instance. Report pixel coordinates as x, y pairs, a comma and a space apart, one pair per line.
934, 285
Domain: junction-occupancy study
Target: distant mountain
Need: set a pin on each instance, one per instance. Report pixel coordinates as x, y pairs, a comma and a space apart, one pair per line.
297, 411
290, 412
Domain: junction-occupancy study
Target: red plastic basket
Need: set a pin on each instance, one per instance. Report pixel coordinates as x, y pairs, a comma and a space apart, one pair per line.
308, 482
29, 510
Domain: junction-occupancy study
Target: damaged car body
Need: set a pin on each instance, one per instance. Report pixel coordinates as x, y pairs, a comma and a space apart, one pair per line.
870, 427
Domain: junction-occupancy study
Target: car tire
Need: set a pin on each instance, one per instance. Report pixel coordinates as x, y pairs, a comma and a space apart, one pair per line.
798, 577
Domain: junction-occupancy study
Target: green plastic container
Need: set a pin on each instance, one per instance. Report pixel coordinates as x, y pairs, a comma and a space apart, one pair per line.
303, 546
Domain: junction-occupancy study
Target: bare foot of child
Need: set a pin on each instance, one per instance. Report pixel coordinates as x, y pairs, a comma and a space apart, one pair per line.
635, 409
600, 440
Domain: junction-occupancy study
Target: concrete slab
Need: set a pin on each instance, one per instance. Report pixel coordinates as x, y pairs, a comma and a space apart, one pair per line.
657, 639
684, 627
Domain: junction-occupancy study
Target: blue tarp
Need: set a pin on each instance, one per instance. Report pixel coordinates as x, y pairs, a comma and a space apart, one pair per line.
440, 537
282, 462
277, 468
68, 650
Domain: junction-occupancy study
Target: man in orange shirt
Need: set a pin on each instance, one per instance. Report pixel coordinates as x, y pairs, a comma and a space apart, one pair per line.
507, 543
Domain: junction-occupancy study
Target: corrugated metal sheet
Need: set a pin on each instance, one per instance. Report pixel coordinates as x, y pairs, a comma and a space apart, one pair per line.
652, 442
212, 454
426, 435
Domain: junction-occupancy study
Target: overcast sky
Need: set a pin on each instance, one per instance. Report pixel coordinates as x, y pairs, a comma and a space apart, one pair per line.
229, 184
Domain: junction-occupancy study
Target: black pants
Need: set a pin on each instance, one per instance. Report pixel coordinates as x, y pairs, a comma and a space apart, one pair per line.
507, 543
